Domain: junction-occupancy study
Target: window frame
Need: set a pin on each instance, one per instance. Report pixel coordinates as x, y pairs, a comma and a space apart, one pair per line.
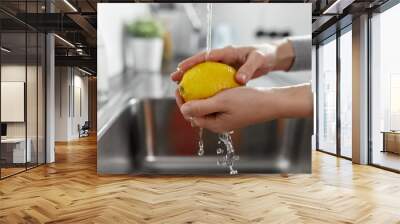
29, 29
378, 10
347, 27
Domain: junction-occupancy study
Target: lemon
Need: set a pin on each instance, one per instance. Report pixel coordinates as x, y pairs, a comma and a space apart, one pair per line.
206, 79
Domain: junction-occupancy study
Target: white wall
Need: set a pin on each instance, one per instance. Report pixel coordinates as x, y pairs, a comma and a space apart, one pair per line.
67, 80
80, 82
61, 103
246, 19
12, 100
14, 73
110, 48
17, 73
111, 18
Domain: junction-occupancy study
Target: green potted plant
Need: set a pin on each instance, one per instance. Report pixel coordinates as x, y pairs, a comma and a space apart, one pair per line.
145, 39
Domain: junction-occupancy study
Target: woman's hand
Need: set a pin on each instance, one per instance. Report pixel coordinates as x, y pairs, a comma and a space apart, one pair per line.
250, 62
242, 106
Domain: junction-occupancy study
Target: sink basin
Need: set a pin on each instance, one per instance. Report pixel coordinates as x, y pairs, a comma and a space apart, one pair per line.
150, 136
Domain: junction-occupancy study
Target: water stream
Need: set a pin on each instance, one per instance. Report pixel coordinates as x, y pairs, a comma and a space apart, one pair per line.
209, 26
225, 139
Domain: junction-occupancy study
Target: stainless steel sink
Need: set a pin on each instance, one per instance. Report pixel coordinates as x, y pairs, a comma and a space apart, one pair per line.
150, 136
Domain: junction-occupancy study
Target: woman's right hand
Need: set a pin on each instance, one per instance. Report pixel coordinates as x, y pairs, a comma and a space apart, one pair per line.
250, 62
238, 107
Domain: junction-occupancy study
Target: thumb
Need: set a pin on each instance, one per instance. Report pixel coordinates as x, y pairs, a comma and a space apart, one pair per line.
254, 61
199, 108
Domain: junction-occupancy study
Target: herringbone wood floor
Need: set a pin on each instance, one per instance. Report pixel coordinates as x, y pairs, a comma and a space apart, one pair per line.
70, 191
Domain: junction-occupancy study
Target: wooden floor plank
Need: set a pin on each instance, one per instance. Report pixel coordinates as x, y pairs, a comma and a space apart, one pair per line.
70, 191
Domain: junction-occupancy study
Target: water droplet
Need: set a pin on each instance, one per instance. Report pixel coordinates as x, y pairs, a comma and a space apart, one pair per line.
221, 162
232, 171
200, 152
283, 164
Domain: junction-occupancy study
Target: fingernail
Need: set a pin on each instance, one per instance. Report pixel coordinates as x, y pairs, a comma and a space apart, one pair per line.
191, 120
174, 72
179, 69
194, 122
243, 78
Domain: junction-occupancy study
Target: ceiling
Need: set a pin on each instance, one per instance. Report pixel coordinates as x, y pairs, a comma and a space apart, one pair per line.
76, 22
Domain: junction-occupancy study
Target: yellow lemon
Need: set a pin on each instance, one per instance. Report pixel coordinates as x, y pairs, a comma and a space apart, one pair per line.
207, 79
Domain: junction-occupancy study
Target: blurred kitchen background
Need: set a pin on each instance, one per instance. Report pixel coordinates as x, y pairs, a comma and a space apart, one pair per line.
139, 45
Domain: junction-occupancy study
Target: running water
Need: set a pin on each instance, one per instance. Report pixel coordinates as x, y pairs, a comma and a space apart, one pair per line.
201, 143
209, 25
200, 152
229, 158
224, 138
